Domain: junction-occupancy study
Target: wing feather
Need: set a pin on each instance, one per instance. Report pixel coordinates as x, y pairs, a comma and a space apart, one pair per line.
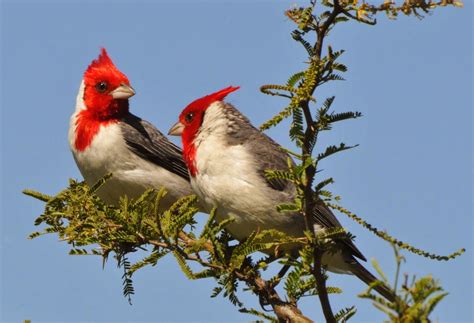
269, 155
150, 144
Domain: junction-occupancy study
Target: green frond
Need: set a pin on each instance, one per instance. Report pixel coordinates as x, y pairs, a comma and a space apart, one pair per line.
183, 265
78, 252
288, 207
327, 103
340, 19
385, 236
296, 127
207, 273
128, 289
230, 284
333, 290
323, 183
222, 224
335, 117
246, 247
253, 311
306, 18
376, 266
433, 301
334, 55
295, 78
339, 67
275, 120
345, 314
334, 149
278, 174
292, 153
35, 235
38, 195
216, 291
276, 90
297, 35
334, 77
298, 170
323, 237
151, 259
178, 222
322, 121
210, 224
180, 214
100, 183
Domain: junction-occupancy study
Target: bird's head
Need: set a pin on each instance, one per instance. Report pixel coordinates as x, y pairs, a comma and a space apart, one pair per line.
190, 121
106, 88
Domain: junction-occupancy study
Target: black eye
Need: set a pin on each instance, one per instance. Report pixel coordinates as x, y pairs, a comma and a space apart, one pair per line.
101, 87
189, 117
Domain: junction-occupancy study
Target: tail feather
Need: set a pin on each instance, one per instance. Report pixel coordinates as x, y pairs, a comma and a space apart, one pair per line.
364, 275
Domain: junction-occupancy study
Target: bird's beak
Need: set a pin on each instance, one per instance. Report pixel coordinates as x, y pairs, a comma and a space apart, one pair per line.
177, 129
123, 92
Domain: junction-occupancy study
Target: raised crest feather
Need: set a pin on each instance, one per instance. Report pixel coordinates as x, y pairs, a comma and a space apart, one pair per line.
101, 61
204, 102
220, 95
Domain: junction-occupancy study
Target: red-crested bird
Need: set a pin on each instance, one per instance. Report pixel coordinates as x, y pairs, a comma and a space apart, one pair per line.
106, 138
227, 158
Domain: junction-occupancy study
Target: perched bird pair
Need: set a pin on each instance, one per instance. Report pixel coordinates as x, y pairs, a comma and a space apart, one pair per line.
225, 157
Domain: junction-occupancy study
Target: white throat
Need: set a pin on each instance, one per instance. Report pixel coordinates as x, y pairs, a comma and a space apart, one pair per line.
214, 124
80, 98
80, 106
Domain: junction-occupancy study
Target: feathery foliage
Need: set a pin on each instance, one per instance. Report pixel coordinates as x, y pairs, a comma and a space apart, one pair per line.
417, 297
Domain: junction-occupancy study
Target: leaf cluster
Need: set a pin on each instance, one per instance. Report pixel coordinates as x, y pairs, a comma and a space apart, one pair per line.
416, 298
92, 227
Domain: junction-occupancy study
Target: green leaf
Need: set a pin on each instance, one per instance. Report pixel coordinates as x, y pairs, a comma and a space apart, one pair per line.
333, 150
323, 183
288, 207
253, 311
78, 252
335, 117
184, 267
285, 113
295, 78
297, 35
100, 183
151, 259
38, 195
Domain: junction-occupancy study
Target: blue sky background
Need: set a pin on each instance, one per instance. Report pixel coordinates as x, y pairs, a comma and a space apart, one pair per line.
411, 175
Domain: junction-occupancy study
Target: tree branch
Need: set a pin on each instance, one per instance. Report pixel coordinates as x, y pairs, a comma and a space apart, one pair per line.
310, 171
321, 287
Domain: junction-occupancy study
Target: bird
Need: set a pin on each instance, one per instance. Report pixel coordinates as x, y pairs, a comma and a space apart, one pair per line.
105, 137
227, 158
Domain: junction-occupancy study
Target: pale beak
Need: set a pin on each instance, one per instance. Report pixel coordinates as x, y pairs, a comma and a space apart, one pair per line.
177, 129
123, 92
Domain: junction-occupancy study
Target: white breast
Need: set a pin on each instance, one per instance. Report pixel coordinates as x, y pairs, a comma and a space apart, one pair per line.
132, 175
227, 177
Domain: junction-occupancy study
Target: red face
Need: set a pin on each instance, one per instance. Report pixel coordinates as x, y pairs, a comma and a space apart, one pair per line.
106, 94
190, 121
106, 88
192, 116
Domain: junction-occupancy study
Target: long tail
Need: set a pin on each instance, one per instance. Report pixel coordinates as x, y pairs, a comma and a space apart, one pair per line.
364, 275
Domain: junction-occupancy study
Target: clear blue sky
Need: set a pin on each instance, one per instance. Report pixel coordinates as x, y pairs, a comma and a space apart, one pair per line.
411, 175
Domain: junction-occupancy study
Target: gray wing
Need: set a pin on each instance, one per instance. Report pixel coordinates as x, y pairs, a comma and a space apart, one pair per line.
150, 144
270, 155
323, 215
